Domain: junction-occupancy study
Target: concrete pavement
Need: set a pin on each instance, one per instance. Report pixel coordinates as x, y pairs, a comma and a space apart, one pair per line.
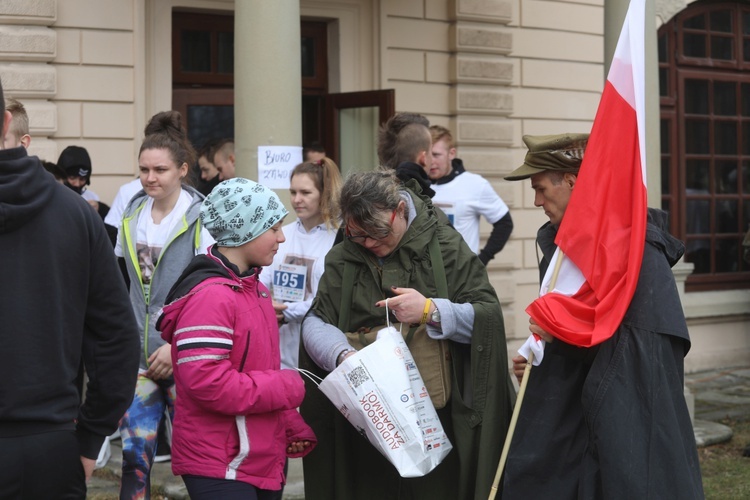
719, 394
172, 486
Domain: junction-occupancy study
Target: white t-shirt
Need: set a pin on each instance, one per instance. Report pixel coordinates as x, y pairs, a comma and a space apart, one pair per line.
464, 200
123, 196
151, 237
293, 278
89, 195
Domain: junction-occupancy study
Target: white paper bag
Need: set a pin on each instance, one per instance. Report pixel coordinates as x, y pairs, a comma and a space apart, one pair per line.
380, 392
105, 453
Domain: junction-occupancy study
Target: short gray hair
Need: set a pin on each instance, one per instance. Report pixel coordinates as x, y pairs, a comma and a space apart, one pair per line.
365, 195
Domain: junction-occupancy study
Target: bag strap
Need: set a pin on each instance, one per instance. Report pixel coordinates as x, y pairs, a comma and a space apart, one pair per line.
438, 270
347, 282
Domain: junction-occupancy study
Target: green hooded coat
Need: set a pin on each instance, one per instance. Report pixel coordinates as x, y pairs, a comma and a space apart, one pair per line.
344, 466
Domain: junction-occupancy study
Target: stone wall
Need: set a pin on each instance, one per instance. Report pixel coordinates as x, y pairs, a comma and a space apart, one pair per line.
28, 45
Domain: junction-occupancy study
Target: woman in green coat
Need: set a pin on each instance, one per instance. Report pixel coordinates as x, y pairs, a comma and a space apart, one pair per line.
396, 248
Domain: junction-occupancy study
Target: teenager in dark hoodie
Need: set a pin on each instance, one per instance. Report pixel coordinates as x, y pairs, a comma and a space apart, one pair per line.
62, 302
404, 145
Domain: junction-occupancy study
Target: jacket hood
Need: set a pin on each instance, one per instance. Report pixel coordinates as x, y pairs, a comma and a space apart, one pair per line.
201, 268
410, 171
657, 234
25, 188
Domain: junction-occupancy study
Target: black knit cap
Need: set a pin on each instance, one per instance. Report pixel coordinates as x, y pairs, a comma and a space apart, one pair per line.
75, 161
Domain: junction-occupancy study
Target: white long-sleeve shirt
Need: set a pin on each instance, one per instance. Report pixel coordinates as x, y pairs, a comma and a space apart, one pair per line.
293, 278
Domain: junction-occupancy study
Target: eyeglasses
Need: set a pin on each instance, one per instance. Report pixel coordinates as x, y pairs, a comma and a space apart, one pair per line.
360, 238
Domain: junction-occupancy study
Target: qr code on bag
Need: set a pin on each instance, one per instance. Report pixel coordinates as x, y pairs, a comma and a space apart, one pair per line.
358, 376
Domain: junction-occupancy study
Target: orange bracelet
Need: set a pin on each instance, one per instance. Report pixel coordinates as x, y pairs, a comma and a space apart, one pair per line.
426, 311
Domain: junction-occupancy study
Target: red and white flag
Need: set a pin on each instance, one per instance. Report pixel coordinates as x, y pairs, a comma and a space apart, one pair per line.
603, 231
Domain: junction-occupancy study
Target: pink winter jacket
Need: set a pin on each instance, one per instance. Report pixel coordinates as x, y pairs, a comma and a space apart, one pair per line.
235, 409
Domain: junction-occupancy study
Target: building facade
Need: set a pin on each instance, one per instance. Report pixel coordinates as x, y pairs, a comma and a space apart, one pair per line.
91, 73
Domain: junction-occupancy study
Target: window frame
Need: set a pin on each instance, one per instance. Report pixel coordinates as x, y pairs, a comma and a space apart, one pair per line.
680, 68
213, 24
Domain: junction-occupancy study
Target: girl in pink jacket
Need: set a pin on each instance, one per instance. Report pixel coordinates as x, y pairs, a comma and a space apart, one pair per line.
235, 418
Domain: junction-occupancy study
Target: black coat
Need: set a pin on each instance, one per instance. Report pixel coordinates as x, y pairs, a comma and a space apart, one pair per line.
611, 422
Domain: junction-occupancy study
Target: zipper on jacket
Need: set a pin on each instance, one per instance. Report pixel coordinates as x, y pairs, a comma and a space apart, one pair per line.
148, 299
259, 295
247, 349
134, 261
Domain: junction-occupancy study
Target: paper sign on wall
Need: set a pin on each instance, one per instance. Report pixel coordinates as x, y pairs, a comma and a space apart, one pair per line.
275, 163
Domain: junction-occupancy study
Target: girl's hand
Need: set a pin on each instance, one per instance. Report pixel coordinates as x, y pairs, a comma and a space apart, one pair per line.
279, 307
160, 363
296, 447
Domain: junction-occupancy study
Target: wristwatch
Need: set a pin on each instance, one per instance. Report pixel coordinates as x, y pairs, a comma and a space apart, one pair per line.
435, 316
340, 359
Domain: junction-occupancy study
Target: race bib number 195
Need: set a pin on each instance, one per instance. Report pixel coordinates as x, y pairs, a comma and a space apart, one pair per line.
289, 283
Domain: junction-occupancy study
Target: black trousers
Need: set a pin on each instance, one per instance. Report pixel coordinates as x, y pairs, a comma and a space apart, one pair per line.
41, 466
208, 488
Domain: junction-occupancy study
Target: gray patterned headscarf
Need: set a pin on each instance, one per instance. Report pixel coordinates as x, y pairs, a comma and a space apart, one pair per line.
239, 210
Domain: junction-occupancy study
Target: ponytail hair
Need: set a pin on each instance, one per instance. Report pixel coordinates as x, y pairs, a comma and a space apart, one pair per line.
165, 131
327, 178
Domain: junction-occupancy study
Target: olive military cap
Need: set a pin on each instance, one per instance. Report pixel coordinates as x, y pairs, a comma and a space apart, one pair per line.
561, 153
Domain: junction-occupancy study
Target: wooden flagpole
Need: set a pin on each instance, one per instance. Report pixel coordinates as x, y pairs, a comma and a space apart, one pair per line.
519, 397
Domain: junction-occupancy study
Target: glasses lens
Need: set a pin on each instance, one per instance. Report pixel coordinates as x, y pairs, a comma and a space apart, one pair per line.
377, 234
360, 238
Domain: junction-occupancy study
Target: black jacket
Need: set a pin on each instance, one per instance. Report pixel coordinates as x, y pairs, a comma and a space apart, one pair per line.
62, 301
610, 421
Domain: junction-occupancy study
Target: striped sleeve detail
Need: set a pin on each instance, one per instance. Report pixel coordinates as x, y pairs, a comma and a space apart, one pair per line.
204, 343
214, 328
204, 357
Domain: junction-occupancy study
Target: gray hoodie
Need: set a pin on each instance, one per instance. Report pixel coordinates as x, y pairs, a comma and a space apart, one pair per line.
179, 250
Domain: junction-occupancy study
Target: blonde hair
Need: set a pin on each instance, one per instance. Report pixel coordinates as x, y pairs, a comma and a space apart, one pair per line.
440, 133
327, 178
19, 123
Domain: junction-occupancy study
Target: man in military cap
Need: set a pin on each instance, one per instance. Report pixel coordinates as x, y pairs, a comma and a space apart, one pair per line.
609, 421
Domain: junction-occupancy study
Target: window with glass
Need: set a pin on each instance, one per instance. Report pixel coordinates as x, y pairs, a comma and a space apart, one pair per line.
203, 49
203, 89
704, 85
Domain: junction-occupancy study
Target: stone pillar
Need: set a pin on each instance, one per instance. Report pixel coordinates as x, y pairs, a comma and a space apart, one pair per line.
27, 45
653, 115
481, 102
614, 15
267, 80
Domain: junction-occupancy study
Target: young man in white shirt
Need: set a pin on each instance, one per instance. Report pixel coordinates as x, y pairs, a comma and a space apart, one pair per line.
465, 197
